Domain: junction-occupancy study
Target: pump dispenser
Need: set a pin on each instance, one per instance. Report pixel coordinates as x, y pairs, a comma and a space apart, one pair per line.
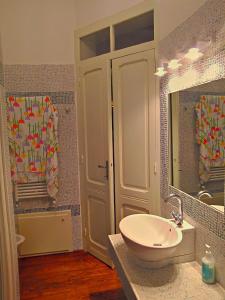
208, 266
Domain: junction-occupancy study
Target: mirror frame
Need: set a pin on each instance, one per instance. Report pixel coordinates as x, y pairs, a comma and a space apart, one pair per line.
200, 212
172, 99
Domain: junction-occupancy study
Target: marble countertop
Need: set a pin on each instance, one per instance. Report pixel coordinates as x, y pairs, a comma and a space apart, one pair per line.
180, 282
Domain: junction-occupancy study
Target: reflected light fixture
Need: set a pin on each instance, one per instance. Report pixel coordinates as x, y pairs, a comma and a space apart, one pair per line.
160, 72
193, 54
174, 64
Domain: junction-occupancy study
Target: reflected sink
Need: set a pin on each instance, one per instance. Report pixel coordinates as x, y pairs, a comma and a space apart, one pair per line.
149, 237
19, 239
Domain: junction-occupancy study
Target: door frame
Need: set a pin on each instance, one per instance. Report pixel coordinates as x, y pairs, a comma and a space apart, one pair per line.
113, 54
9, 265
155, 205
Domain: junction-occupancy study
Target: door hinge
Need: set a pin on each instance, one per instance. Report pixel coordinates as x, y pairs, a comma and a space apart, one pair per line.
106, 167
85, 231
155, 168
82, 159
112, 104
79, 82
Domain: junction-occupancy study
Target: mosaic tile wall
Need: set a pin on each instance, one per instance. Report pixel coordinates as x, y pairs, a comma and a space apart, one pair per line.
205, 29
58, 82
1, 74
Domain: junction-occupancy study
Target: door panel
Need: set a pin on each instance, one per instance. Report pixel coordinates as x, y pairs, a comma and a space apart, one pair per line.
131, 207
95, 124
134, 134
97, 230
133, 119
96, 170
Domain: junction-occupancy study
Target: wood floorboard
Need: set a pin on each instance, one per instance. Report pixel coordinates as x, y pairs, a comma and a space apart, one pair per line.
71, 276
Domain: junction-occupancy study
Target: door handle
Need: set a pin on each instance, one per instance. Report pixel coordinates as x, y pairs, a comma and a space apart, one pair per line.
106, 167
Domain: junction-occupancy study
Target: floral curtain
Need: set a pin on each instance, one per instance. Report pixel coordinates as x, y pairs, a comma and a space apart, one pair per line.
33, 140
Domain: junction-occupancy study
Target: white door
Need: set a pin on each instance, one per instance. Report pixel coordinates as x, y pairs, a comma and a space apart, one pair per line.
134, 132
9, 263
96, 156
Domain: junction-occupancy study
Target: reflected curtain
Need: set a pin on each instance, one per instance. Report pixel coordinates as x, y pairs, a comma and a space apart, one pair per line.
210, 133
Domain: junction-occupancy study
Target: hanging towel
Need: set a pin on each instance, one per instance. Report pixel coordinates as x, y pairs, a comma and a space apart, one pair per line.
33, 140
210, 134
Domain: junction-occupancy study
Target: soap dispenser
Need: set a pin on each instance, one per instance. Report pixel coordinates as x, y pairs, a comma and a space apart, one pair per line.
208, 266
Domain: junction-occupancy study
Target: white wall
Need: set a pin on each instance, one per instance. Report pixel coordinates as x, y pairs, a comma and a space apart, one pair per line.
88, 11
37, 31
170, 13
41, 31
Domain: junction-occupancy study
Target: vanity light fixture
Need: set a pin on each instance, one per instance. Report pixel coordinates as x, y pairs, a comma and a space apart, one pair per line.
160, 72
174, 64
193, 54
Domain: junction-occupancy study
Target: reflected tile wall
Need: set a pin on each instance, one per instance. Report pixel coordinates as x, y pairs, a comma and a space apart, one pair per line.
206, 30
1, 65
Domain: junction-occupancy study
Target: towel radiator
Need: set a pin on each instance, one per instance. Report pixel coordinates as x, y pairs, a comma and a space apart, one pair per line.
216, 173
31, 190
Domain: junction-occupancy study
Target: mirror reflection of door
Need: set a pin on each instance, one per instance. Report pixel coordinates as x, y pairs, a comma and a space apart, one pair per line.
198, 142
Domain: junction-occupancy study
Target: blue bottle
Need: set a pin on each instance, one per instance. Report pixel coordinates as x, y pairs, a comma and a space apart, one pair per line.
208, 266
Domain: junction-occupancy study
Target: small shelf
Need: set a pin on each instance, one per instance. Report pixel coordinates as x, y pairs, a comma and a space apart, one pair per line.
134, 31
95, 44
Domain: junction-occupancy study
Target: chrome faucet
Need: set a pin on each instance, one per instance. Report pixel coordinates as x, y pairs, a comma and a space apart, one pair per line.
178, 217
204, 193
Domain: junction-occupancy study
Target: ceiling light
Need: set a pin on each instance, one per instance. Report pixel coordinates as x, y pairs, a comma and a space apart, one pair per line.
174, 64
193, 54
160, 72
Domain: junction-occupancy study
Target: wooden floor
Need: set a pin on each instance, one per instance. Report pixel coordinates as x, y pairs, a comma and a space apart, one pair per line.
76, 275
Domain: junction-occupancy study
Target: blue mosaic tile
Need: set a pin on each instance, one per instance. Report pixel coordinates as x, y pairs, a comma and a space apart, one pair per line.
75, 209
64, 97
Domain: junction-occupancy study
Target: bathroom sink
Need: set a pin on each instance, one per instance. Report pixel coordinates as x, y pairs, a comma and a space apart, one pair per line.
149, 237
19, 239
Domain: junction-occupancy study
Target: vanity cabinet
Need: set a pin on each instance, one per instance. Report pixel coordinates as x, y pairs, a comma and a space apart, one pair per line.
181, 281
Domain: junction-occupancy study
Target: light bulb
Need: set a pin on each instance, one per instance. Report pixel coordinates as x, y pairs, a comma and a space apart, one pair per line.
160, 72
174, 64
193, 54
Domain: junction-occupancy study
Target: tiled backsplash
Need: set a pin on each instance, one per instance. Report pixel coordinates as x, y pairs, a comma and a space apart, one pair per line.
206, 30
56, 81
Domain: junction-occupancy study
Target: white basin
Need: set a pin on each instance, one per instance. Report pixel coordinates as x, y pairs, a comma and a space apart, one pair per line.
149, 237
19, 239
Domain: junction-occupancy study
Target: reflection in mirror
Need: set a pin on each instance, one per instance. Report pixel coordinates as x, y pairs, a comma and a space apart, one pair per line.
197, 129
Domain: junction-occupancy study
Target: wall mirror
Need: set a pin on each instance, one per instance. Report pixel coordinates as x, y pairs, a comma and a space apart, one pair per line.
197, 142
